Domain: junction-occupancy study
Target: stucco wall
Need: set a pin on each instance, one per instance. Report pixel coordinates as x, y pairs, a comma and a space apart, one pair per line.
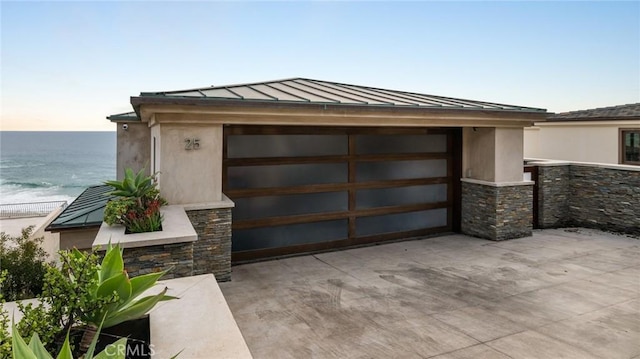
478, 155
133, 148
189, 175
493, 154
594, 141
532, 142
81, 239
509, 154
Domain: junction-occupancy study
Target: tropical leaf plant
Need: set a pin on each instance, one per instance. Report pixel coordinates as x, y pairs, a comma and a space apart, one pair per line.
114, 279
36, 349
133, 185
136, 204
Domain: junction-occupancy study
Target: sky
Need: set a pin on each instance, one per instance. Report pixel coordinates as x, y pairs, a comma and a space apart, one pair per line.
67, 65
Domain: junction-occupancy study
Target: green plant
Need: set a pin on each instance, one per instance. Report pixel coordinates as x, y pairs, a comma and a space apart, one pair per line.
113, 278
25, 264
137, 205
37, 350
5, 339
85, 292
65, 297
133, 185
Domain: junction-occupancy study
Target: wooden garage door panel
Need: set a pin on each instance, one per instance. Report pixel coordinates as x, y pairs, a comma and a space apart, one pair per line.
304, 189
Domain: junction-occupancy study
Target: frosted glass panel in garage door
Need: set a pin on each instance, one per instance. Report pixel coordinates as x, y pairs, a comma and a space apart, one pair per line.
391, 170
397, 196
286, 175
247, 146
288, 205
283, 236
401, 222
376, 144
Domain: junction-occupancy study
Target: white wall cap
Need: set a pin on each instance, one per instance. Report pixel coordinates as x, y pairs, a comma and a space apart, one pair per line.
497, 184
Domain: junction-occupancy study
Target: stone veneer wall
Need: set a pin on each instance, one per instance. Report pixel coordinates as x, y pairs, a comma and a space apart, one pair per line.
603, 197
210, 253
553, 196
143, 260
496, 212
212, 250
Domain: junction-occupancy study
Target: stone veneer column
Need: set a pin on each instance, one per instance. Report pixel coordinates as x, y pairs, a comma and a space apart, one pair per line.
212, 250
496, 211
554, 191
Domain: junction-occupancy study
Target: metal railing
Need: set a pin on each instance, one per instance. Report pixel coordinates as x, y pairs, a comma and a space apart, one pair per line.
33, 209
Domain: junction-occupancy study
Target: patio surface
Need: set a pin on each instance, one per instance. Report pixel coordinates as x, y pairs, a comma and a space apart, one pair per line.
571, 293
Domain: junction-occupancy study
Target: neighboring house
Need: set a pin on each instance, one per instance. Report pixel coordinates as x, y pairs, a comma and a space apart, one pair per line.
602, 135
312, 165
78, 224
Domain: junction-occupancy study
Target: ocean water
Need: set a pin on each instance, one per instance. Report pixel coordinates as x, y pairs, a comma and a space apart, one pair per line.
53, 166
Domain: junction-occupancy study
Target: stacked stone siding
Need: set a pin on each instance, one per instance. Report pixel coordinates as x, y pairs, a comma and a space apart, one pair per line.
553, 194
591, 196
210, 253
496, 212
143, 260
212, 250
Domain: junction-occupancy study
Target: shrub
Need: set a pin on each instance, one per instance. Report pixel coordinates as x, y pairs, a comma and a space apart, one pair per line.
85, 291
25, 264
5, 339
137, 205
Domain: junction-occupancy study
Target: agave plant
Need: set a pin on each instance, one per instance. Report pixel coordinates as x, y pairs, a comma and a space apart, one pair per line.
37, 350
133, 185
137, 203
113, 278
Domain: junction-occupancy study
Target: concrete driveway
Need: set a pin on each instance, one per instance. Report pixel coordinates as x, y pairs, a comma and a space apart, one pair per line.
571, 293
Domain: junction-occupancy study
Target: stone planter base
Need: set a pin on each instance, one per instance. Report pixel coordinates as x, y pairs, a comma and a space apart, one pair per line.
497, 211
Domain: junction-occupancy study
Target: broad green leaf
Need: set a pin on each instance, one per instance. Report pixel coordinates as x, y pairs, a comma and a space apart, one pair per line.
112, 264
65, 352
94, 341
113, 351
38, 348
143, 282
118, 283
135, 310
20, 349
120, 193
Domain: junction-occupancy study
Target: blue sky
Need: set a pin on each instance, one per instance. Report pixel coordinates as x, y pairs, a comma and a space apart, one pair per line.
67, 65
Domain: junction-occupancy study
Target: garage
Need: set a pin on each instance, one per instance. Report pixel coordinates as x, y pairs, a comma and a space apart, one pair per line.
306, 189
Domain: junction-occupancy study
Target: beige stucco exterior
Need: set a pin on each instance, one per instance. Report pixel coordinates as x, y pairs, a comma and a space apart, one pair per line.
582, 141
492, 154
189, 175
492, 140
133, 147
78, 238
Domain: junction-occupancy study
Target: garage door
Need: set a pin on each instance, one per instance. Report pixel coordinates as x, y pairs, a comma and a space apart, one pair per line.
301, 189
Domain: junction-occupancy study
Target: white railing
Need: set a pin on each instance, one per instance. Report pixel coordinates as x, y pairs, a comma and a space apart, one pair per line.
33, 209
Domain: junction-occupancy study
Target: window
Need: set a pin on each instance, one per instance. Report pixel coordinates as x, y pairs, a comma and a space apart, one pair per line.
630, 146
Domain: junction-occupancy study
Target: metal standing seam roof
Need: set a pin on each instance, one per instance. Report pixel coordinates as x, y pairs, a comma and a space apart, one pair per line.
308, 91
621, 112
85, 211
127, 116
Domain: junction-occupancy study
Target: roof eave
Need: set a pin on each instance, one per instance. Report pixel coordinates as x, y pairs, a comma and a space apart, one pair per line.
137, 101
